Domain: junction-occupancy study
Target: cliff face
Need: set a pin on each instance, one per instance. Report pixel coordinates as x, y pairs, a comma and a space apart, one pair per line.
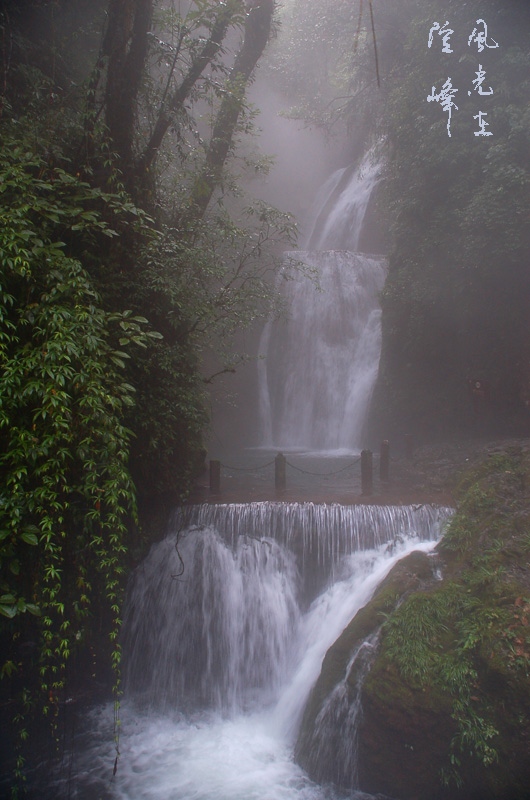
445, 704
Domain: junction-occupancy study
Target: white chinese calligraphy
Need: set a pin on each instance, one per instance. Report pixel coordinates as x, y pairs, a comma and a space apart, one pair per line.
482, 125
445, 97
479, 80
481, 37
444, 32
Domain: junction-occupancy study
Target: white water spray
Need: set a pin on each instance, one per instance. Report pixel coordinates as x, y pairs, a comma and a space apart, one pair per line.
230, 643
340, 207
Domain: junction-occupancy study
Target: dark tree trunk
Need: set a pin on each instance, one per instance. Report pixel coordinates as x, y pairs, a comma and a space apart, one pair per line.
257, 32
125, 47
225, 17
125, 50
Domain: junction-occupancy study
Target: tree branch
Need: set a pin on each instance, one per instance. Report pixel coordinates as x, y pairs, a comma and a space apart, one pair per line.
257, 32
225, 18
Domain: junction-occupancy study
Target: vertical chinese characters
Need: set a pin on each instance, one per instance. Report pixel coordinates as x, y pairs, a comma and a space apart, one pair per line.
481, 37
445, 97
445, 32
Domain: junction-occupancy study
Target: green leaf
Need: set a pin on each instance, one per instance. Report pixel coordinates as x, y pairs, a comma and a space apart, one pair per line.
8, 669
29, 538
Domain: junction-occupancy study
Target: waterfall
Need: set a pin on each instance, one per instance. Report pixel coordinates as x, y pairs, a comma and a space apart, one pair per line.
320, 364
339, 210
333, 742
318, 367
222, 647
319, 536
218, 628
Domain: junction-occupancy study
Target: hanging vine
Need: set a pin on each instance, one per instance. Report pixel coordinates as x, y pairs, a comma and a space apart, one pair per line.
66, 495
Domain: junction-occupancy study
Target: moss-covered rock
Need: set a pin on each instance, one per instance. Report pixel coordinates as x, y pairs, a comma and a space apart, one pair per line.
411, 573
446, 703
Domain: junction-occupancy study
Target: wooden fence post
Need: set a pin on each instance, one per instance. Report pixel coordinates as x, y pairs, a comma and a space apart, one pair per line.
279, 471
384, 461
366, 472
215, 475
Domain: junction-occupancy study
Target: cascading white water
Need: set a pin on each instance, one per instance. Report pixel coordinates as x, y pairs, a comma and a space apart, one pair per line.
339, 211
221, 650
333, 743
320, 364
319, 536
317, 368
218, 629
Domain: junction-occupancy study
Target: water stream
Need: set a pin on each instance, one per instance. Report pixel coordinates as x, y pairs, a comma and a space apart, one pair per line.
340, 206
318, 366
223, 642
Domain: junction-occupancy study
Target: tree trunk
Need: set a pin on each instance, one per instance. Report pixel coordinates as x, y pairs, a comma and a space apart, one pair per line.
227, 14
125, 46
257, 32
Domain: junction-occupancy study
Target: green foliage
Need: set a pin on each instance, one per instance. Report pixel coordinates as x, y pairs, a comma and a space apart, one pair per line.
302, 63
469, 637
201, 286
66, 493
216, 278
453, 302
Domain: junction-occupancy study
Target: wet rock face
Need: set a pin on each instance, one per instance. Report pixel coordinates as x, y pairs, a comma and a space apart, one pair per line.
404, 735
328, 742
443, 712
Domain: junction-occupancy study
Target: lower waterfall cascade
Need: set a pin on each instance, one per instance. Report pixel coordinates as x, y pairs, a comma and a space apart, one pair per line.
223, 639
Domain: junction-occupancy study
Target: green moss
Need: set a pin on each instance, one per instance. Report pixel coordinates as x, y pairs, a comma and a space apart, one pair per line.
446, 704
468, 639
406, 576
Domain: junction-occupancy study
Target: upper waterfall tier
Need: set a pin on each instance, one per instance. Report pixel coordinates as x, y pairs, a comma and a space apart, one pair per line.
318, 368
340, 206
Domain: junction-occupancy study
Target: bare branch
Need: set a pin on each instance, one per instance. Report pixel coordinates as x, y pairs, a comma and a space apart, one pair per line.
257, 32
216, 374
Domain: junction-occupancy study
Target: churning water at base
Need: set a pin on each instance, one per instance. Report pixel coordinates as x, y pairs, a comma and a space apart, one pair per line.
222, 644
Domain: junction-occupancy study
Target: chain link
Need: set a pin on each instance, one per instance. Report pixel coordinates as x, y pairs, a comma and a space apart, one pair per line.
323, 474
298, 469
248, 469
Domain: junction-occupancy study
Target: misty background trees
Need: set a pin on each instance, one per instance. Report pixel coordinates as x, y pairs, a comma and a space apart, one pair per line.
454, 210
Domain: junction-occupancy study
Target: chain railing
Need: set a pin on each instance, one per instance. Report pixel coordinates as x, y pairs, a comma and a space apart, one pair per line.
281, 463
